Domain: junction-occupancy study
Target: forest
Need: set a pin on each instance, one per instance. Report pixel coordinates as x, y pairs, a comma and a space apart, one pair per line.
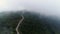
33, 23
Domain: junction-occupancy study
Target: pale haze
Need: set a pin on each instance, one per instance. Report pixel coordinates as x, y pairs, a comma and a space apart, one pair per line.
46, 7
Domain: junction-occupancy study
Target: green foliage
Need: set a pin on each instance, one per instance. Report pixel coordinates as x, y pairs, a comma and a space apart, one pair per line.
32, 24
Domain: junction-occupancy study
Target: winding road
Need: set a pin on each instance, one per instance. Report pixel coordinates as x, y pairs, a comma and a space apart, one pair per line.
19, 25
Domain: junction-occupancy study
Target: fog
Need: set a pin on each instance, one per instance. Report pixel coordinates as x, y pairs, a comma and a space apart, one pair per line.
46, 7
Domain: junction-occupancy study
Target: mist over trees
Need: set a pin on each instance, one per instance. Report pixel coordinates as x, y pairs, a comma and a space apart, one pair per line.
33, 23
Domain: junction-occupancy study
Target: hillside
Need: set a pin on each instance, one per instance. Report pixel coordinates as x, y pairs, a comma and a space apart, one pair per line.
33, 23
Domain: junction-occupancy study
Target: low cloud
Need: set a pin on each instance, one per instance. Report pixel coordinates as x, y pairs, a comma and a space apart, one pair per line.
46, 7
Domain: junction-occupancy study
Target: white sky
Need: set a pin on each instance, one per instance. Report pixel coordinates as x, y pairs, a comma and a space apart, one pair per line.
7, 5
47, 7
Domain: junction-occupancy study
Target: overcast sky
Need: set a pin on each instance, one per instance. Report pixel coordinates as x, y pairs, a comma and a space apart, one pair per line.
47, 7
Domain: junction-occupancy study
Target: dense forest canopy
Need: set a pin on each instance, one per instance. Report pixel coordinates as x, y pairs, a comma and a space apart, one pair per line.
33, 23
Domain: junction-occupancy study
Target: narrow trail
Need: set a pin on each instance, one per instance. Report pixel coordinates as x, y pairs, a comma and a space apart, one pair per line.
19, 25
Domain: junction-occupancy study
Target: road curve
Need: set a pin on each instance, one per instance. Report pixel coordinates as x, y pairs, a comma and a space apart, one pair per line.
19, 25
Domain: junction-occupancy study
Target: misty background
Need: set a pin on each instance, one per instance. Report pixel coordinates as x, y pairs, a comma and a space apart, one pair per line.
46, 7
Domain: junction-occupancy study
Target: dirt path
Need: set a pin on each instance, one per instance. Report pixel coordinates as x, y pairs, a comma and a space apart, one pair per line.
19, 25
